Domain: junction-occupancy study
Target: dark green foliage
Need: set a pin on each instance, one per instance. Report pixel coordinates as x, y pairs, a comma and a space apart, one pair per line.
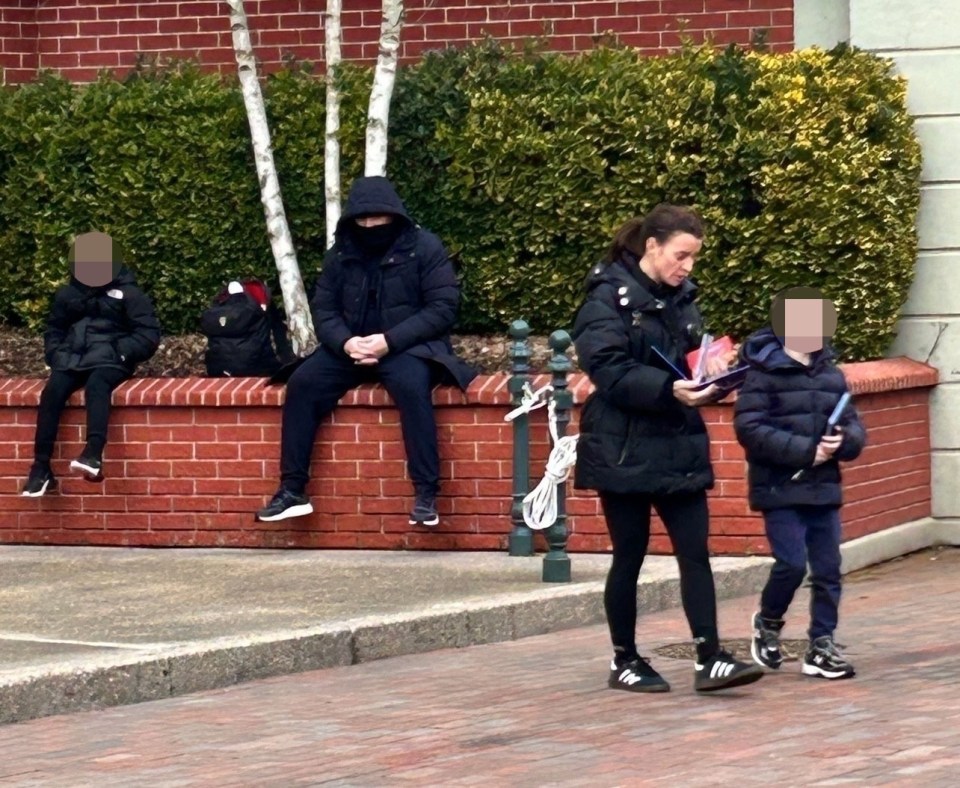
804, 165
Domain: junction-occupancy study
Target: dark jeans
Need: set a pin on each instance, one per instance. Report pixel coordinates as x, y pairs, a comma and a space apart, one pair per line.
799, 535
314, 389
687, 521
98, 384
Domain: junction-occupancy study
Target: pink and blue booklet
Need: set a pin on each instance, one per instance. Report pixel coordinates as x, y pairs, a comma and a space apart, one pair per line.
710, 348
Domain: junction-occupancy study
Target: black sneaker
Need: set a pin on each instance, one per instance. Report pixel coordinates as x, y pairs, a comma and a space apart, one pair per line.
824, 660
765, 646
636, 676
90, 466
40, 481
425, 511
723, 671
285, 504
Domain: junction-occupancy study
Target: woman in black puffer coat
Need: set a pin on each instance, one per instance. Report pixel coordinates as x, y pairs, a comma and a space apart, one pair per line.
100, 327
642, 440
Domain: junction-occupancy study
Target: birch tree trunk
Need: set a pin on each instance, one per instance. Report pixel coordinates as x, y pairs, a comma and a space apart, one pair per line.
331, 152
299, 321
378, 113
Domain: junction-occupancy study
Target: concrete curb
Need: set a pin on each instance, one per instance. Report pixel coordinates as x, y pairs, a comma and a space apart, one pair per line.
163, 671
899, 540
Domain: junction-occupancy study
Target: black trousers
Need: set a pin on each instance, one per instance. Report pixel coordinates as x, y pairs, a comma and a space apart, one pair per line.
314, 389
686, 519
98, 385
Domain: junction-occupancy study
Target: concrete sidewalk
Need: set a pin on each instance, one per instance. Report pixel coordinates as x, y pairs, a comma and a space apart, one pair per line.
89, 627
537, 712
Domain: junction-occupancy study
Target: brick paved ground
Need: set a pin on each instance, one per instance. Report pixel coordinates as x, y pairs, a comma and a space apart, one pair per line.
535, 712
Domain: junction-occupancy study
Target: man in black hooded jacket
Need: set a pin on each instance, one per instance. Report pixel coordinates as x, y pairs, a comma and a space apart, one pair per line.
382, 307
100, 327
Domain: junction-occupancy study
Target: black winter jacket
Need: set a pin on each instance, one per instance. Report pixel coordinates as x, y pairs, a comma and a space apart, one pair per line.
417, 294
635, 436
780, 416
109, 326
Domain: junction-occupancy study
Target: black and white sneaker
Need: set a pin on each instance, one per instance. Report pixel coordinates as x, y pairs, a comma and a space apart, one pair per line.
723, 671
425, 511
285, 504
824, 660
636, 676
90, 466
765, 645
40, 481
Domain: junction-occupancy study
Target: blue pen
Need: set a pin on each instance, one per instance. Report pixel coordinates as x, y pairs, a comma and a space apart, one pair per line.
832, 420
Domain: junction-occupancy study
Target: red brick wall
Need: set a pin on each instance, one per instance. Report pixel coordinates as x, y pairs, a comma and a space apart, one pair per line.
18, 40
79, 37
189, 461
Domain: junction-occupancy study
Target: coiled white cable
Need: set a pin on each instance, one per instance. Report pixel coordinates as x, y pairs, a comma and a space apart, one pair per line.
540, 505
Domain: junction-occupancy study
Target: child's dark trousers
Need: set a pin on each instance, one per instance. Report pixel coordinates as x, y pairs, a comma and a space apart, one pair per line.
98, 384
797, 536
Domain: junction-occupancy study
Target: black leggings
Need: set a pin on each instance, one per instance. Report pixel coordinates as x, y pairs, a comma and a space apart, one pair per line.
686, 519
98, 385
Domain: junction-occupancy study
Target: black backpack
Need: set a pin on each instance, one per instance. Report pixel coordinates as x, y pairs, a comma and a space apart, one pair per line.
238, 327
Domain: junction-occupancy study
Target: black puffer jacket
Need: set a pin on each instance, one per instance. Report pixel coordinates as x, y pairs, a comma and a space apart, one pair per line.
418, 294
635, 436
780, 415
109, 326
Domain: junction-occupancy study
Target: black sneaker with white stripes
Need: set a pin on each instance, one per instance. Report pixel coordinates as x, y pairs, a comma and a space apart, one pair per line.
723, 671
824, 660
636, 676
765, 645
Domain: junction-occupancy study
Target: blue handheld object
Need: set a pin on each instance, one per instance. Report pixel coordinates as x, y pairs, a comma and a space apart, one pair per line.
834, 418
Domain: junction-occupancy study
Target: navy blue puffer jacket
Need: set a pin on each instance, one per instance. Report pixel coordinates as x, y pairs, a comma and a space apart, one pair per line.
780, 416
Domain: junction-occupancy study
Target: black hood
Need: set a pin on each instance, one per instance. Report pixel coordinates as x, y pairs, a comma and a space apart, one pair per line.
764, 349
372, 195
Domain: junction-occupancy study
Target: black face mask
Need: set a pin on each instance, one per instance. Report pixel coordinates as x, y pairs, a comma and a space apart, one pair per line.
375, 240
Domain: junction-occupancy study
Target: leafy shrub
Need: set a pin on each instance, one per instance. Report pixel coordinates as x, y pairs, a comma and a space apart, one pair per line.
804, 165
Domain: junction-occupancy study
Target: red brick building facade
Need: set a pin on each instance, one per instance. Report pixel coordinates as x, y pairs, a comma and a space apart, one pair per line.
78, 38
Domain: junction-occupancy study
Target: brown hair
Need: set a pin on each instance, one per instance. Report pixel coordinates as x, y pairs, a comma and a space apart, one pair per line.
662, 223
778, 309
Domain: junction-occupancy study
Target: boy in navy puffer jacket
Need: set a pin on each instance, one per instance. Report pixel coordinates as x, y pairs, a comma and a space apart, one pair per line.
780, 418
100, 327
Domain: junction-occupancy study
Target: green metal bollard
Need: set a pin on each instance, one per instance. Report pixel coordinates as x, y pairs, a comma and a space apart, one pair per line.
521, 537
556, 563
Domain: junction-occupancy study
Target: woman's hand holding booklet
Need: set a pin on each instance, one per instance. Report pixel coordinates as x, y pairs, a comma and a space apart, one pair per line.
711, 365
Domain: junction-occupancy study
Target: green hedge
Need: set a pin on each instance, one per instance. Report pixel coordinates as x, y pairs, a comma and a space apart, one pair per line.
805, 166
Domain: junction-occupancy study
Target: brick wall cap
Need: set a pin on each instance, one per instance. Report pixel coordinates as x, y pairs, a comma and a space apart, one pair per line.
873, 377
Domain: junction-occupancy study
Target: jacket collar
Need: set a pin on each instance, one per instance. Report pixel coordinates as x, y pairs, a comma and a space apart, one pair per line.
637, 291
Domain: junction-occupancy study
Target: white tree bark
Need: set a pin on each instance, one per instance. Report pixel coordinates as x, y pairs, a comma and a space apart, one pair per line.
331, 152
299, 321
378, 113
